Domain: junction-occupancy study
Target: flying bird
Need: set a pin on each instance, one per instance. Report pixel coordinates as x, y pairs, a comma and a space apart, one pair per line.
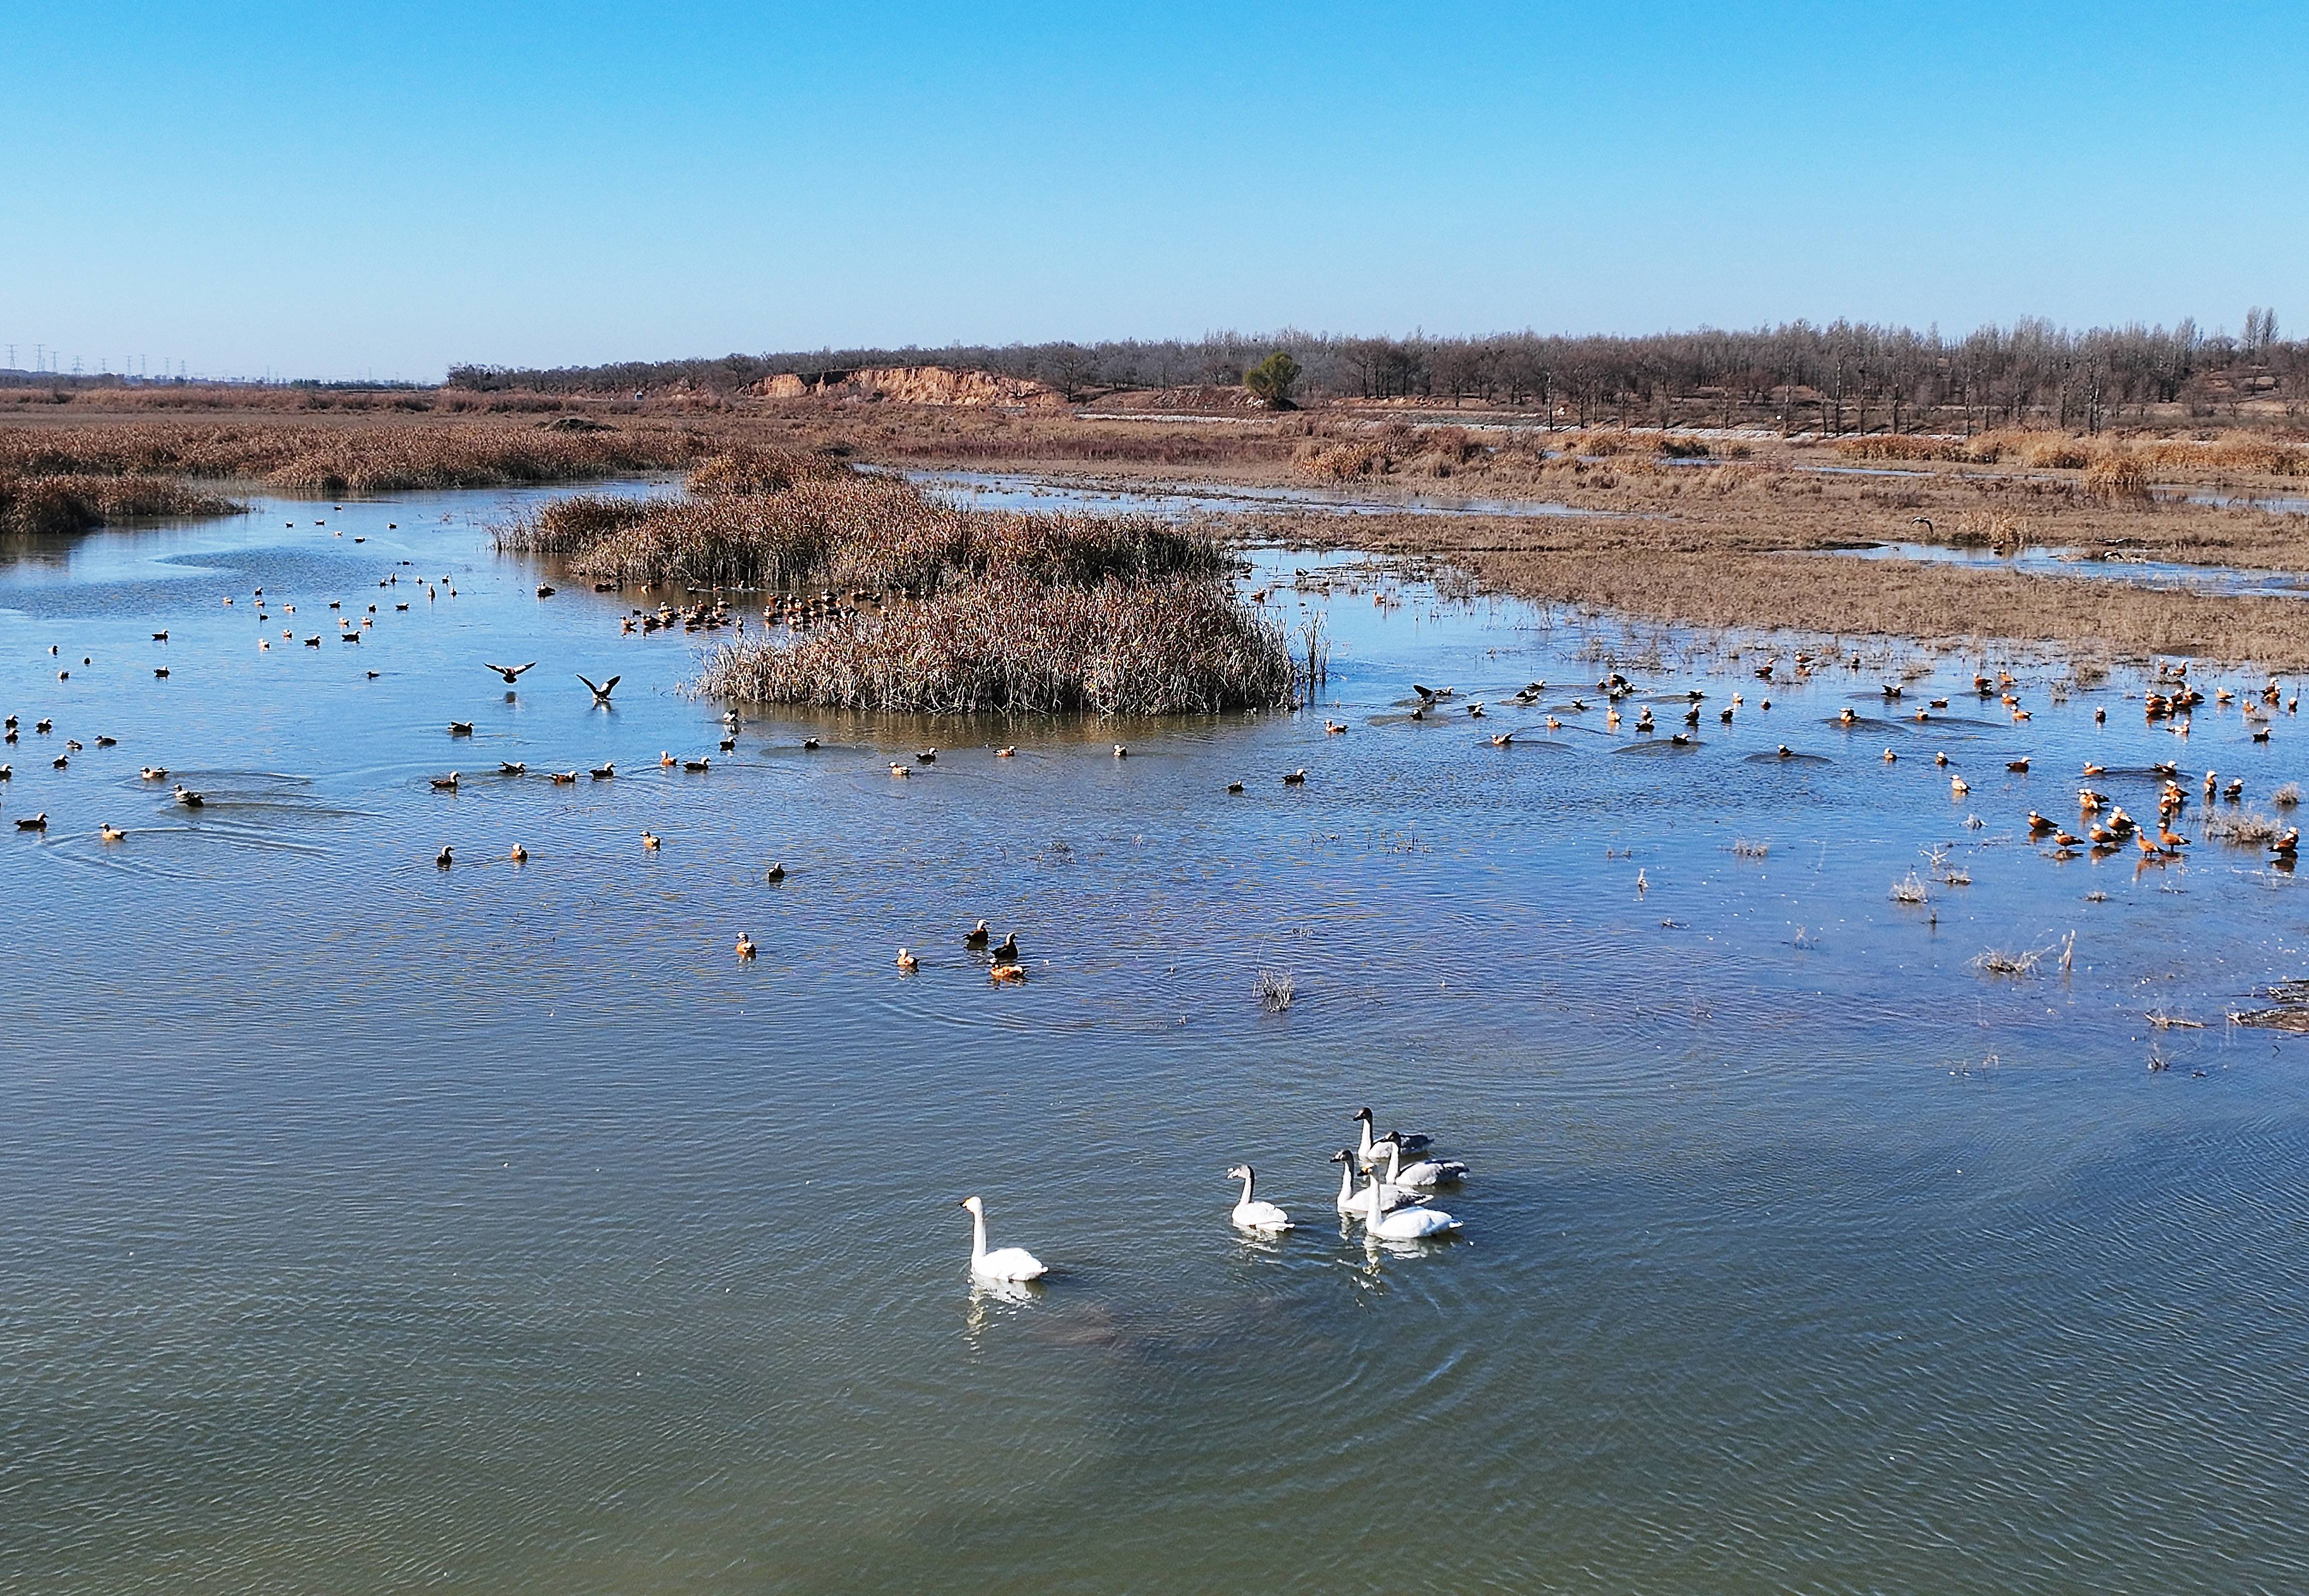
602, 693
512, 673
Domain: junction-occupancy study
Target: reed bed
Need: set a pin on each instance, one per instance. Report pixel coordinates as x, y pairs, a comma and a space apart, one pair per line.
849, 530
571, 525
1162, 646
377, 458
756, 469
48, 504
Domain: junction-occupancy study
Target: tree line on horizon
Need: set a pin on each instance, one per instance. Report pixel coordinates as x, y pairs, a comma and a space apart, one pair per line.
1841, 377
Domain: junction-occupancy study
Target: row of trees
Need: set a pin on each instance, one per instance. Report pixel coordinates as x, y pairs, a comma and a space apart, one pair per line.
1843, 376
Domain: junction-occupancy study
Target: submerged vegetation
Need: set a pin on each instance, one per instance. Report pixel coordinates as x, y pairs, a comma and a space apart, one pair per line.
958, 610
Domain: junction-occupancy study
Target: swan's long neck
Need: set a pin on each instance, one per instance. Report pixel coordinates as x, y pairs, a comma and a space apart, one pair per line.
1394, 1161
1346, 1184
1370, 1193
1248, 1175
977, 1236
1364, 1152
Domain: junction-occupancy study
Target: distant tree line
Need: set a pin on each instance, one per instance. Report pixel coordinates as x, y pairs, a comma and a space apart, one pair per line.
1844, 377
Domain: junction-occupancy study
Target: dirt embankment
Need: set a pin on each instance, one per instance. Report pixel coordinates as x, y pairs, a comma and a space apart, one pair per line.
915, 384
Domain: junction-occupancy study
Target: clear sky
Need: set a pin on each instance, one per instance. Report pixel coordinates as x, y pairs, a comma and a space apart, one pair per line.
338, 189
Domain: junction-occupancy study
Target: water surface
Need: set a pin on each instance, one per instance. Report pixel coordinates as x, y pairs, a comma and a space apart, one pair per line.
377, 1226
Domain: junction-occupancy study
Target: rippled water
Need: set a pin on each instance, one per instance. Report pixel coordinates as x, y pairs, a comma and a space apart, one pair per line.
376, 1227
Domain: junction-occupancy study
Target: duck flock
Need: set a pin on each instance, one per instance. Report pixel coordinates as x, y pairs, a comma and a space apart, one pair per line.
1395, 1201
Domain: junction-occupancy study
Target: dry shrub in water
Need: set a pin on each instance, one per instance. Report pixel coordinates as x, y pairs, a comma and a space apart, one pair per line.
2009, 962
2243, 828
1177, 645
1275, 990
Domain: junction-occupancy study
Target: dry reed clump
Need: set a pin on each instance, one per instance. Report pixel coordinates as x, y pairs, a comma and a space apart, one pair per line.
1275, 988
2286, 796
324, 459
1177, 645
1344, 461
46, 505
2056, 452
752, 469
1910, 889
2117, 473
567, 525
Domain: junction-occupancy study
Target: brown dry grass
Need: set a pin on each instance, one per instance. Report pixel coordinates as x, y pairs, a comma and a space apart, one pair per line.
852, 530
380, 457
1174, 645
46, 505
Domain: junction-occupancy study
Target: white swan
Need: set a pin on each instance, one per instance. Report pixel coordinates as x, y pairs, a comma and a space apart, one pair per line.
1407, 1224
1368, 1151
1353, 1202
1005, 1264
1427, 1172
1250, 1214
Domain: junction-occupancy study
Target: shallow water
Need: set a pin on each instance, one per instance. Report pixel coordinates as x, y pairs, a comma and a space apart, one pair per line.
2227, 581
1021, 490
377, 1226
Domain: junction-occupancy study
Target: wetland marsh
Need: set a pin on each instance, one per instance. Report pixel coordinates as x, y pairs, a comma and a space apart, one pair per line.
376, 1226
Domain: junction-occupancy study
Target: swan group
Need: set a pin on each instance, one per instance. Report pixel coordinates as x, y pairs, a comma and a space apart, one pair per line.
1393, 1204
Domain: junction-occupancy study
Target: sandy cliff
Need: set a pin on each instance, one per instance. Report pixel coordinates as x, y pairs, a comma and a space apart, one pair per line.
915, 384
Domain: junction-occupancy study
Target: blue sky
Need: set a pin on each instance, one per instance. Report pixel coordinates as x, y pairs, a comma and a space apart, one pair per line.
389, 188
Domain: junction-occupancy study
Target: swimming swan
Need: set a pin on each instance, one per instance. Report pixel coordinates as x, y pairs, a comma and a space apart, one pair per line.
1407, 1224
1253, 1215
1368, 1151
1426, 1172
1353, 1202
1006, 1264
